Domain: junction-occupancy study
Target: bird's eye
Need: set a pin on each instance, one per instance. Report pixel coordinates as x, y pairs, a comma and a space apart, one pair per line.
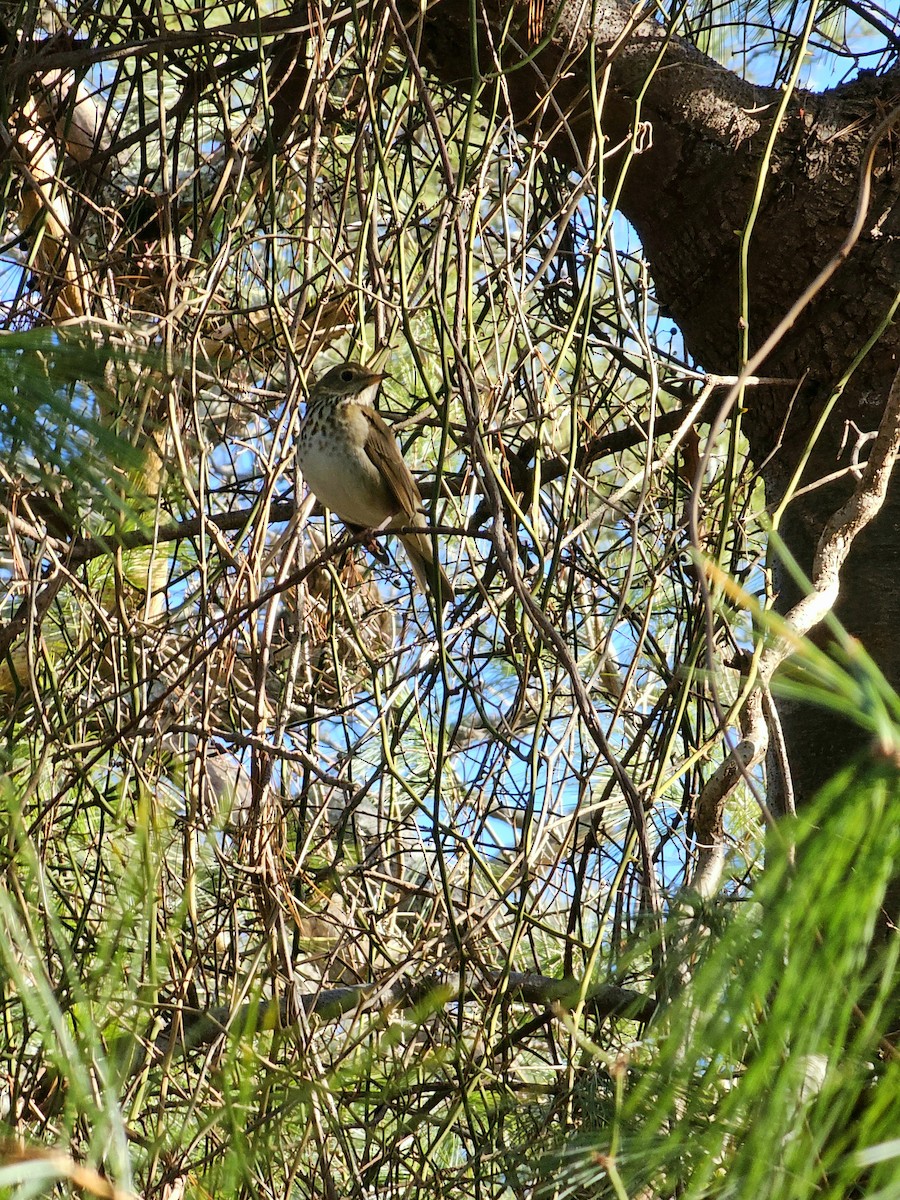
347, 375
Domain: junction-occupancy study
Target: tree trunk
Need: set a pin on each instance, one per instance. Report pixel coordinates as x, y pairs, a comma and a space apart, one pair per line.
689, 192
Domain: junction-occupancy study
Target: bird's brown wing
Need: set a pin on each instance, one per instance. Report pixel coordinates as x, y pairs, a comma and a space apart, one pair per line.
382, 449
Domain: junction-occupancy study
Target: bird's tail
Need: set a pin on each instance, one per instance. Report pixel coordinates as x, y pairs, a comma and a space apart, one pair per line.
429, 573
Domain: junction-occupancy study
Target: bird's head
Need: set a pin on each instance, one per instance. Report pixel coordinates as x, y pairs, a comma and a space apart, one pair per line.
350, 379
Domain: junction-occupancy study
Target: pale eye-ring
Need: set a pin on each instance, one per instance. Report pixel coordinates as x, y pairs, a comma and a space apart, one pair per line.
347, 375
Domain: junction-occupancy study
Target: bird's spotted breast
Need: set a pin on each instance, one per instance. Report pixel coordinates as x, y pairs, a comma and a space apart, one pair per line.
331, 453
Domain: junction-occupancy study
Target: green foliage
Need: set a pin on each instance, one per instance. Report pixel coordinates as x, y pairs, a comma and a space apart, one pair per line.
58, 387
286, 862
767, 1074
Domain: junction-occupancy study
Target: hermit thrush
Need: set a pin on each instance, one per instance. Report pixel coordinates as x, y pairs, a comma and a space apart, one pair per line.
352, 463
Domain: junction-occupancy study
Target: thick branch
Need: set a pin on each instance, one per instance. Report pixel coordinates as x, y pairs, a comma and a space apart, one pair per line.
840, 532
833, 548
684, 141
202, 1027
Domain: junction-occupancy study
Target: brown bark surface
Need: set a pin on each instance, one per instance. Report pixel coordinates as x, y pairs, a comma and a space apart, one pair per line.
689, 193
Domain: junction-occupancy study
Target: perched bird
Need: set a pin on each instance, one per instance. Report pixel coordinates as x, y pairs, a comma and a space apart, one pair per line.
352, 463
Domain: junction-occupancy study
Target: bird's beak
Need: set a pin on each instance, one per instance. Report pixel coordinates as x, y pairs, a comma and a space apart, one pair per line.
370, 381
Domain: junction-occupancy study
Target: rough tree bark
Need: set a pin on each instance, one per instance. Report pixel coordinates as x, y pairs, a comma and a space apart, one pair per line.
702, 134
